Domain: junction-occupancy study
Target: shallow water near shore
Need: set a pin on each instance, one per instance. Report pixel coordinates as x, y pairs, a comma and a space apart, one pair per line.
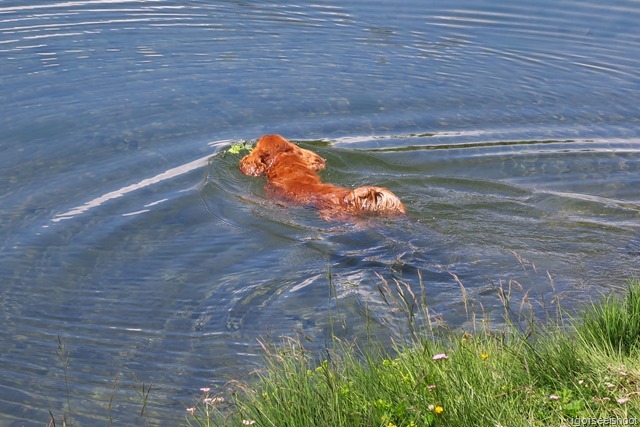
509, 131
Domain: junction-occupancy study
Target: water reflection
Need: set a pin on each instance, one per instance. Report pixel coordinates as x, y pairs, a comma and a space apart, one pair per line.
509, 131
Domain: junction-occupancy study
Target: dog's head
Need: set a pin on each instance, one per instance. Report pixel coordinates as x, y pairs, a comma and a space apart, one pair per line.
268, 148
374, 200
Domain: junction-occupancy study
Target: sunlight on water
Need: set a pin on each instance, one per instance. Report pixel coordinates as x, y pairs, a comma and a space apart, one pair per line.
508, 130
169, 174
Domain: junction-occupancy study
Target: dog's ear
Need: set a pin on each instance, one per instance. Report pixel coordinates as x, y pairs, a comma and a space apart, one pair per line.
311, 159
257, 162
253, 164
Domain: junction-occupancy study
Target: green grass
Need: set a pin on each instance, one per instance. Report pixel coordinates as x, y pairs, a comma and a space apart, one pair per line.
582, 369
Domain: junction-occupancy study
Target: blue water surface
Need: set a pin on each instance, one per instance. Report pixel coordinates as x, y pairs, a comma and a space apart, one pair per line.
134, 254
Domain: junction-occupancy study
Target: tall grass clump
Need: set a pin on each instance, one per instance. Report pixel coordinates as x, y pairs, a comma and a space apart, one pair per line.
575, 371
613, 325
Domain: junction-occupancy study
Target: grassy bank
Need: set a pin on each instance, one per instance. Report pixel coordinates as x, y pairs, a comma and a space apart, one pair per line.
582, 370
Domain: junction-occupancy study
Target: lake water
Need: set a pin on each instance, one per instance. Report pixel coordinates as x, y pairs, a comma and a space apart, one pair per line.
510, 130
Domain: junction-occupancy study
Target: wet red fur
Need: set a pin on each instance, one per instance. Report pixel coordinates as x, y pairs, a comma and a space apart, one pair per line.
291, 173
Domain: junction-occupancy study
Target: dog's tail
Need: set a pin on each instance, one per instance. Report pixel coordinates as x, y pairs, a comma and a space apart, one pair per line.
374, 200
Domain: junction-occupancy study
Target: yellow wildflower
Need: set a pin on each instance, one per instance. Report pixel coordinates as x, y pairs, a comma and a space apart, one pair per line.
484, 356
438, 410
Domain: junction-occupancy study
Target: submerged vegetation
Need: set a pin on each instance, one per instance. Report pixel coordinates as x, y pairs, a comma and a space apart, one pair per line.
568, 371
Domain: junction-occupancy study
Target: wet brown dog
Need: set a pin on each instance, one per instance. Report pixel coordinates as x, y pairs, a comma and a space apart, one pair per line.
292, 174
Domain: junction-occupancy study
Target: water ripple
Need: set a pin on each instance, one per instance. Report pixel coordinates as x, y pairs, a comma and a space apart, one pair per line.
505, 127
